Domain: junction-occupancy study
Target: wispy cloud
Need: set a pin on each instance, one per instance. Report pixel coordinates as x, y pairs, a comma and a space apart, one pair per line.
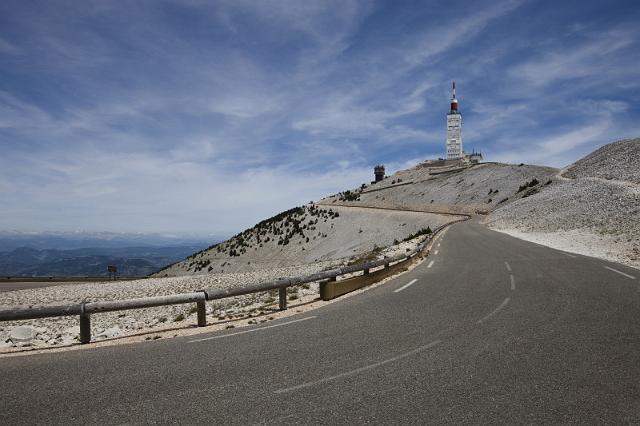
188, 116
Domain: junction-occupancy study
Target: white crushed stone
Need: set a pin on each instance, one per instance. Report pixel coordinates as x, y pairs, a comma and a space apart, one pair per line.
325, 237
589, 214
615, 161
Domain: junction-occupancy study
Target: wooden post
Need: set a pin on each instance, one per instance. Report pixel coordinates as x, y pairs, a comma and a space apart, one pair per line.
282, 296
366, 272
85, 327
202, 313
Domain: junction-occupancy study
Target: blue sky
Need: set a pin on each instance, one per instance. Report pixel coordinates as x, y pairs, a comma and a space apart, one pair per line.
207, 116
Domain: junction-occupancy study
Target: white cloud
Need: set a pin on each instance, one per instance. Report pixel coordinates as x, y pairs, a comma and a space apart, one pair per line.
144, 193
450, 34
7, 48
599, 54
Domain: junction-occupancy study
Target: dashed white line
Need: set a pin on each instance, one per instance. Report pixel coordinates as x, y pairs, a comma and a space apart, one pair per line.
251, 331
621, 273
430, 264
359, 370
508, 266
413, 281
438, 244
495, 311
436, 252
513, 282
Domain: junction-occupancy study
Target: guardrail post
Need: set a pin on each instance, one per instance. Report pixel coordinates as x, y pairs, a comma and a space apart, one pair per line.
85, 327
366, 271
202, 313
282, 296
386, 264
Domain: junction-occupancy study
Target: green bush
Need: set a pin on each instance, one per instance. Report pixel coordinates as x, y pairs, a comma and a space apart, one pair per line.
423, 231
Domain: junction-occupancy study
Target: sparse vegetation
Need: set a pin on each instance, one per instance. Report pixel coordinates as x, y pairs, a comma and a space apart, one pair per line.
530, 192
423, 231
349, 196
530, 184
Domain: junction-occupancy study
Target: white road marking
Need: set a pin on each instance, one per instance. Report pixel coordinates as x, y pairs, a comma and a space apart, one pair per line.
252, 330
436, 252
438, 244
513, 282
495, 311
567, 254
621, 273
359, 370
507, 265
430, 264
413, 281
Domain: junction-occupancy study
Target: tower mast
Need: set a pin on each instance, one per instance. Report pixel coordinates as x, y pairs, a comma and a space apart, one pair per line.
454, 129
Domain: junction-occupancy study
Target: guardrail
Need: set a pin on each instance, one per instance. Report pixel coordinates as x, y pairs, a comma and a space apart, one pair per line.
85, 310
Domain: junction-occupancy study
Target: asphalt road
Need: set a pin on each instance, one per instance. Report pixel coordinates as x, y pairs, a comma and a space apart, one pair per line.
492, 330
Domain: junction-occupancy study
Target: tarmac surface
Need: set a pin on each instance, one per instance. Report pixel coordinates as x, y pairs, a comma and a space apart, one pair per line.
488, 329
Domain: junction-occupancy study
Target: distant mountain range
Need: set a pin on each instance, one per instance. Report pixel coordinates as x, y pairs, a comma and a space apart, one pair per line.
10, 240
89, 254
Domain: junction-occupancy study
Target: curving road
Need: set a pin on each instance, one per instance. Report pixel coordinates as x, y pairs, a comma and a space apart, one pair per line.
488, 329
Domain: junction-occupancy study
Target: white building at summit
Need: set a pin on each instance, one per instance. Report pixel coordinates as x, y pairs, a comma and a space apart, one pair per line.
454, 129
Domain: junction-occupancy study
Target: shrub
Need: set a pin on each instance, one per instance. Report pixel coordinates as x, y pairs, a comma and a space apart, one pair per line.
530, 184
348, 196
423, 231
179, 318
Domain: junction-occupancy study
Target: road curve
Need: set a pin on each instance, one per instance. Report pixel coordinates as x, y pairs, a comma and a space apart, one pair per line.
493, 329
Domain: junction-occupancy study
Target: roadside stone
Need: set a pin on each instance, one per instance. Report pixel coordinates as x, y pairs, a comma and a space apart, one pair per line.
22, 334
109, 333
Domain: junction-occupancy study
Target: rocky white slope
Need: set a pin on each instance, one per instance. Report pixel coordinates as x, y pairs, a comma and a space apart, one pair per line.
615, 161
592, 208
312, 233
476, 189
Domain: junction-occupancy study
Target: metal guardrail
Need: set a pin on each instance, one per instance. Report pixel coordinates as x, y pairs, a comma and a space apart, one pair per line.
85, 310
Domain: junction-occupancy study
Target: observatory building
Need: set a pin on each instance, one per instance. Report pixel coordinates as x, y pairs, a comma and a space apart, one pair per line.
454, 129
378, 172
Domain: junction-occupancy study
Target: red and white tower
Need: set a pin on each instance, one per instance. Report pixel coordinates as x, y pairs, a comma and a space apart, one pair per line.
454, 129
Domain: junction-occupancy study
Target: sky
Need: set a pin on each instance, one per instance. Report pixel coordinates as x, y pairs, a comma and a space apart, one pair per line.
205, 117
